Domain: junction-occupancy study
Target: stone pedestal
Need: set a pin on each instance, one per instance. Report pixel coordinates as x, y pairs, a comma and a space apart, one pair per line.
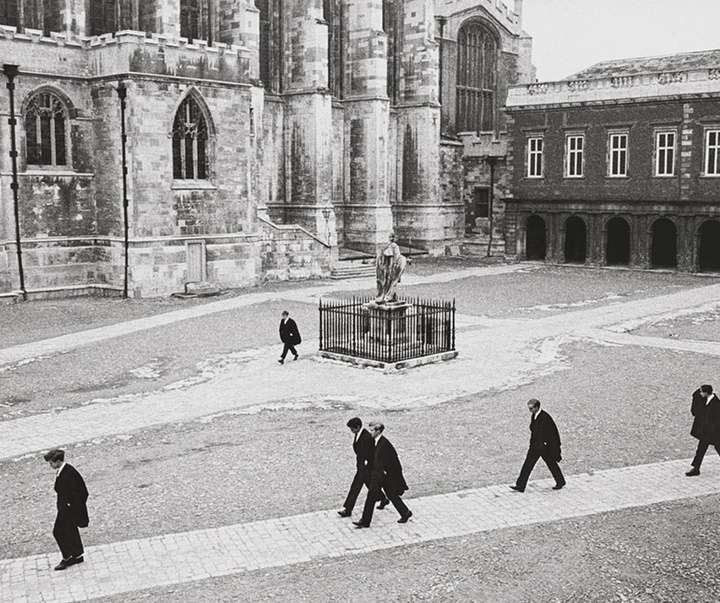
386, 323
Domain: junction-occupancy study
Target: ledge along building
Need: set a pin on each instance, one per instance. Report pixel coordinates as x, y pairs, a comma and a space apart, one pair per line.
619, 165
146, 144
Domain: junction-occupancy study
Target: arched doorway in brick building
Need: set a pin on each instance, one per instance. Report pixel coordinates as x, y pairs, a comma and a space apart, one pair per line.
663, 245
536, 242
575, 240
709, 247
617, 250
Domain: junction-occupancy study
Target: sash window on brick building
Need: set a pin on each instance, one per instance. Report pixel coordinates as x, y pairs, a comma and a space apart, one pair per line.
477, 51
664, 153
712, 153
574, 159
190, 139
535, 157
45, 130
618, 154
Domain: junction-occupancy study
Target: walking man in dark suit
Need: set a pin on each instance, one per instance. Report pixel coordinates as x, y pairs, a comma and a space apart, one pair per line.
386, 474
706, 425
545, 444
71, 509
289, 335
364, 447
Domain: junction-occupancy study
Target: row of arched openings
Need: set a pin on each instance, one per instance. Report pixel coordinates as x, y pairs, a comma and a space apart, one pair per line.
663, 242
46, 117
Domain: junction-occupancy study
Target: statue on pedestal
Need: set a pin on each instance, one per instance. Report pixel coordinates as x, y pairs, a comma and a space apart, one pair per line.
389, 267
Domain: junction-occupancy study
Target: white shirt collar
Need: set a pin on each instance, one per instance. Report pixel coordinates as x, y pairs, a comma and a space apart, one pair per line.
61, 467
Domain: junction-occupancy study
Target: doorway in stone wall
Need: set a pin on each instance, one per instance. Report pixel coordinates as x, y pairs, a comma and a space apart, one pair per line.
617, 250
195, 257
709, 247
663, 245
536, 242
575, 240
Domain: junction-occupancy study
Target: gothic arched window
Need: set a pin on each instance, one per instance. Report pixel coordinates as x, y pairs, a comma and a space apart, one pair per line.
476, 79
103, 17
195, 20
190, 142
332, 13
9, 14
392, 24
270, 44
45, 130
52, 20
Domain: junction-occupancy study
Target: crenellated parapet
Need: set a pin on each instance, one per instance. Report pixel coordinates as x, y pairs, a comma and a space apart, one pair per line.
126, 51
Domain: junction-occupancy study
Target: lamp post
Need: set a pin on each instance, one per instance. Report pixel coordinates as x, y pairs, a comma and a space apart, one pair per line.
11, 72
326, 214
122, 95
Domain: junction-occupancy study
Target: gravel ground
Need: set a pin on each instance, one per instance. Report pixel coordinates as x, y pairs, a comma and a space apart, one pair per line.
615, 406
700, 326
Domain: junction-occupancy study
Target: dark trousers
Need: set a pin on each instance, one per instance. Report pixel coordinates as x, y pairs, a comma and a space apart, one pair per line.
67, 535
377, 495
361, 479
700, 453
529, 464
288, 346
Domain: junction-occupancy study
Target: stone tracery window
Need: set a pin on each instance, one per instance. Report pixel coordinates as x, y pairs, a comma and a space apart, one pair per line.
332, 14
103, 17
195, 20
190, 142
476, 78
270, 44
9, 13
392, 24
45, 130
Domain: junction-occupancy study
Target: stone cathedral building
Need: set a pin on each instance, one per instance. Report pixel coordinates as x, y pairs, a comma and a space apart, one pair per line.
145, 144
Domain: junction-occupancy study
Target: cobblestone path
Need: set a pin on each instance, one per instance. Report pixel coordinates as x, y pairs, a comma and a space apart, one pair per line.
131, 565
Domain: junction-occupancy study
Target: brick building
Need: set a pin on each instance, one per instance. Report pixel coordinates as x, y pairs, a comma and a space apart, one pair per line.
619, 165
161, 142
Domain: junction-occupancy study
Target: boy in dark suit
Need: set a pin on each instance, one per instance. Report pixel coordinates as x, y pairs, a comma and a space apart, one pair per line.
289, 335
545, 444
706, 425
72, 511
364, 447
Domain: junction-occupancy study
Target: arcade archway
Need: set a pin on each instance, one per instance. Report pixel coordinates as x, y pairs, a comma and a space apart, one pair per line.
709, 247
617, 250
536, 241
575, 240
663, 247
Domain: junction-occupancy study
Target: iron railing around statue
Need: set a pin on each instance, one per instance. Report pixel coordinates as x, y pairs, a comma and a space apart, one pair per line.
393, 332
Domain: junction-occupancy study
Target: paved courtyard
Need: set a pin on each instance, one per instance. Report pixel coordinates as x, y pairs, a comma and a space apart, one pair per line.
514, 350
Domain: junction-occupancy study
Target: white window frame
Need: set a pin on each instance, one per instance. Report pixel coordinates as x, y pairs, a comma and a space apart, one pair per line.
617, 158
711, 155
662, 148
573, 153
535, 157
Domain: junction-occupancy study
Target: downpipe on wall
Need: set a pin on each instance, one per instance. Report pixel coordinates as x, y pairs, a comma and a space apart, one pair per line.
122, 95
11, 72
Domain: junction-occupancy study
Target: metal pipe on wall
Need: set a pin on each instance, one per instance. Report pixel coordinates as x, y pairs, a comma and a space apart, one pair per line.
122, 94
11, 72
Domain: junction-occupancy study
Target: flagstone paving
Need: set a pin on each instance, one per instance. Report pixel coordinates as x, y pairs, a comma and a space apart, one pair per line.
131, 565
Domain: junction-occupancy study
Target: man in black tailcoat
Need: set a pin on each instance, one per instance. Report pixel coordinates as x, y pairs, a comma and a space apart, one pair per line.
386, 475
72, 511
706, 425
289, 335
545, 444
364, 447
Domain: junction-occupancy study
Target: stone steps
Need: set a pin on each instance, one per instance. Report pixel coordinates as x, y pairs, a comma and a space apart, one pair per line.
353, 269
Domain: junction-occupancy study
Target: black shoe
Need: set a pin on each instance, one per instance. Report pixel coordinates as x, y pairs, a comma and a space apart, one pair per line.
296, 356
383, 504
344, 513
517, 488
405, 517
693, 471
281, 361
559, 486
359, 525
76, 560
64, 564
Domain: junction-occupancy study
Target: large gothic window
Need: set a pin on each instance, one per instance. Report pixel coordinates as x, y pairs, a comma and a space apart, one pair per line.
45, 130
476, 79
190, 142
332, 13
392, 24
52, 20
270, 44
9, 14
195, 20
103, 18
